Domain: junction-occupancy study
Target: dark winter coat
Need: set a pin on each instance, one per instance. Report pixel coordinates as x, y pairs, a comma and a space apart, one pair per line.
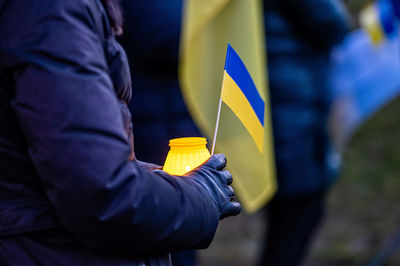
68, 193
299, 37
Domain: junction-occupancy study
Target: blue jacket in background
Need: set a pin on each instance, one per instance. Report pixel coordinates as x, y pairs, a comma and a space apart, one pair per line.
299, 37
151, 40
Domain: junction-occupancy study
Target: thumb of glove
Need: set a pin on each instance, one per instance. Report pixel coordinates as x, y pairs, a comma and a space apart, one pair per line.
217, 161
230, 209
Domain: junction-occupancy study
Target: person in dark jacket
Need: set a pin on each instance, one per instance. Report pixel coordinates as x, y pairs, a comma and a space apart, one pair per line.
299, 37
151, 40
72, 192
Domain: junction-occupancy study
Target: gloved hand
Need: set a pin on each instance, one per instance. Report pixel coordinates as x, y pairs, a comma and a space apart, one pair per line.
217, 182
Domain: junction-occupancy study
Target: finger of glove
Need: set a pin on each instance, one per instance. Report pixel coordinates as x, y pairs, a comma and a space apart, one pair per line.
227, 177
230, 209
217, 161
230, 192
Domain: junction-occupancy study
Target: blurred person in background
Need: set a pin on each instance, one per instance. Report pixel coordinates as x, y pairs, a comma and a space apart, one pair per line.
300, 35
151, 40
72, 192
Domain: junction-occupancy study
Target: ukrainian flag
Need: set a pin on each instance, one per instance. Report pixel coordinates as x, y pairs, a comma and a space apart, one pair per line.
244, 133
381, 19
241, 95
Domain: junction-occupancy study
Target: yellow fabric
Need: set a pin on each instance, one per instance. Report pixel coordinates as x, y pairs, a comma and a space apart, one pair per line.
370, 21
208, 26
233, 96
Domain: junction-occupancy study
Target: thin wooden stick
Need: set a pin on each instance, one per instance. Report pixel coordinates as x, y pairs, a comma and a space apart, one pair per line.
218, 115
216, 126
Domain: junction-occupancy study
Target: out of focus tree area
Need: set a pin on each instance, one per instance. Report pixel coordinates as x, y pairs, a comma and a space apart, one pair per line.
364, 206
363, 214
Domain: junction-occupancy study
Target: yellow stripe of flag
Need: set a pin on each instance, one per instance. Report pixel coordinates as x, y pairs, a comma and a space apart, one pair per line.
233, 96
369, 20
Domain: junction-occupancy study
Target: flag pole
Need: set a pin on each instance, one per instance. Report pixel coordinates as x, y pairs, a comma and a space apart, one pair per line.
218, 116
216, 125
220, 102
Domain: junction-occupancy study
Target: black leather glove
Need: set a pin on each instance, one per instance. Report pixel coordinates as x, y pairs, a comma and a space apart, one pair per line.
217, 182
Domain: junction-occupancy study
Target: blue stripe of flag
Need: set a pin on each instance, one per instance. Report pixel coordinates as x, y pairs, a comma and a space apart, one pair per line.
238, 72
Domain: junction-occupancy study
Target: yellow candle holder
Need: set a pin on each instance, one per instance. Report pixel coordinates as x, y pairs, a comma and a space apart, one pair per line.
185, 154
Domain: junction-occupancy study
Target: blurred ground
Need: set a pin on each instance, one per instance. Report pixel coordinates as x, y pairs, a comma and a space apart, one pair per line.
363, 207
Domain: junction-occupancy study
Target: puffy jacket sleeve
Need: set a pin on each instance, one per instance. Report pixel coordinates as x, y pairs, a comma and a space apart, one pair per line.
326, 22
69, 113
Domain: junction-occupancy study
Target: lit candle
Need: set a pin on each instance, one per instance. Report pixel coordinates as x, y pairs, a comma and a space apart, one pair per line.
185, 154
